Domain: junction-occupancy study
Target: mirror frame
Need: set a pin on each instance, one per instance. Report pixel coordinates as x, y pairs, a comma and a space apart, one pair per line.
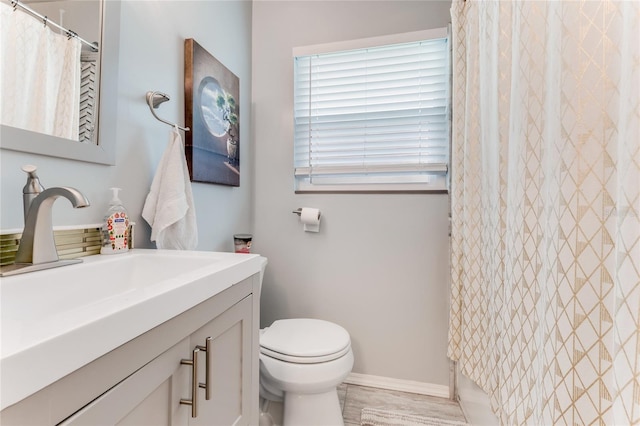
15, 139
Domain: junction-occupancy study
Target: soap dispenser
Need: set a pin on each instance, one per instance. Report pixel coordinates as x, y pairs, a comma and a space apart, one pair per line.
115, 228
31, 189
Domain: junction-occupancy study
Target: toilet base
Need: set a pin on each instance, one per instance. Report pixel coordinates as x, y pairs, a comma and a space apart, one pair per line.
320, 409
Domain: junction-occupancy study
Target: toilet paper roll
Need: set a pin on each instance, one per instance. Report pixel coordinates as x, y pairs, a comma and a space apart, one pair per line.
311, 219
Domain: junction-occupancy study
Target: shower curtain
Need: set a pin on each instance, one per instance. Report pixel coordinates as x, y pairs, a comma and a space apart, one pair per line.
545, 193
39, 76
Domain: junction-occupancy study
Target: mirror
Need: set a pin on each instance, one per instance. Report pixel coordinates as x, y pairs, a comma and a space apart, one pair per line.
102, 147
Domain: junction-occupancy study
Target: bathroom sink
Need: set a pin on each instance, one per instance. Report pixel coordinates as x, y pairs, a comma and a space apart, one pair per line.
57, 320
54, 294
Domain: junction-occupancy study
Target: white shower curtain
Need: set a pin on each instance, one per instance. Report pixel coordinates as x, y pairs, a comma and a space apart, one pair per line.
545, 313
39, 76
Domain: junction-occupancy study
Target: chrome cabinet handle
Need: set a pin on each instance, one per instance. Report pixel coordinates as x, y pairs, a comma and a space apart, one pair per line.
193, 362
207, 366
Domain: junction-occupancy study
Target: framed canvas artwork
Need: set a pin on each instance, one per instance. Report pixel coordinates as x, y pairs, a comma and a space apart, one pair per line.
212, 112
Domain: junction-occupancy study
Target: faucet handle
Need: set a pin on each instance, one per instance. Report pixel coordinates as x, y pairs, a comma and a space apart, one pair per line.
33, 185
31, 189
29, 168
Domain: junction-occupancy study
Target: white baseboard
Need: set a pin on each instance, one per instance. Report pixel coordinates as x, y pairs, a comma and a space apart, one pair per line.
398, 385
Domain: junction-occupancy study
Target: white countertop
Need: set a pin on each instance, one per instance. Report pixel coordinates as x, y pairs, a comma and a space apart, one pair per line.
58, 320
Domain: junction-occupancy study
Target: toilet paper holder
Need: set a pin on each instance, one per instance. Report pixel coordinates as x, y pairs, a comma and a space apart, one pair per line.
310, 218
299, 212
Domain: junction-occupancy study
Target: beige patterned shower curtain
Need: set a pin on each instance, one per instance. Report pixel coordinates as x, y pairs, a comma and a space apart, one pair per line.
545, 190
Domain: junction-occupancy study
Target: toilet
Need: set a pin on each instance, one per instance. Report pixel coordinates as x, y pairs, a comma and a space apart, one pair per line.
302, 361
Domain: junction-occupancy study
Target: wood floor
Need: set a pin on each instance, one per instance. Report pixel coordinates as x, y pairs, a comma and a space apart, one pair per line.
354, 398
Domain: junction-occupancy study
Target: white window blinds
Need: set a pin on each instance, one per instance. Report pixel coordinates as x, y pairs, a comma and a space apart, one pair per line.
374, 118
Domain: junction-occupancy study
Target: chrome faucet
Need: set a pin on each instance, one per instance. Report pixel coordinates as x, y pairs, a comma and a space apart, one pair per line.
37, 248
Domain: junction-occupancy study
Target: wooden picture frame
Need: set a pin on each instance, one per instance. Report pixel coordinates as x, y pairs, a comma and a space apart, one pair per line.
212, 112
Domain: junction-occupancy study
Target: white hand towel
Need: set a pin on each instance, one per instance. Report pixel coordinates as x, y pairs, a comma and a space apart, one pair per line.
169, 206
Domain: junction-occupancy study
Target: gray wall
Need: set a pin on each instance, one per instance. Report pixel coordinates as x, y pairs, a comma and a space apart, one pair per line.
379, 266
151, 58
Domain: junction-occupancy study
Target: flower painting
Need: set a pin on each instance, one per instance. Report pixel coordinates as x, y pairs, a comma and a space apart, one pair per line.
212, 113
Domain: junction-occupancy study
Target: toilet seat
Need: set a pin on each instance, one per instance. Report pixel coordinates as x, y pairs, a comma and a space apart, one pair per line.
304, 341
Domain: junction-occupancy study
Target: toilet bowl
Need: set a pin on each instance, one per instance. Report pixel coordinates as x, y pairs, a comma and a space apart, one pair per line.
302, 361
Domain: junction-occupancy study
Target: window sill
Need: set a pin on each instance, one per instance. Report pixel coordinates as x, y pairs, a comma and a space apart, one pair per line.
436, 186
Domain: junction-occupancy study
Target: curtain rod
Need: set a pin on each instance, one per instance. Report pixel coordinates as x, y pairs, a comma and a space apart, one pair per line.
47, 21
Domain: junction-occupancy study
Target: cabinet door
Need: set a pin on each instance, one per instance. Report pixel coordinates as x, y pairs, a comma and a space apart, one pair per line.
150, 396
229, 375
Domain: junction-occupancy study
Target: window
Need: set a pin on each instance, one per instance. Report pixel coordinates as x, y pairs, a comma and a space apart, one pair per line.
374, 118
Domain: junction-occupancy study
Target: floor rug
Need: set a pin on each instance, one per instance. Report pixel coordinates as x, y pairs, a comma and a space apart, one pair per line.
374, 417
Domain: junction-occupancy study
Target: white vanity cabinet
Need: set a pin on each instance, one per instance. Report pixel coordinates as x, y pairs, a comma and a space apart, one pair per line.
144, 381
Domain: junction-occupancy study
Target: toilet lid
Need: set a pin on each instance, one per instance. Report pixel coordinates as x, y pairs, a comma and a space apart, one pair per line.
304, 340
